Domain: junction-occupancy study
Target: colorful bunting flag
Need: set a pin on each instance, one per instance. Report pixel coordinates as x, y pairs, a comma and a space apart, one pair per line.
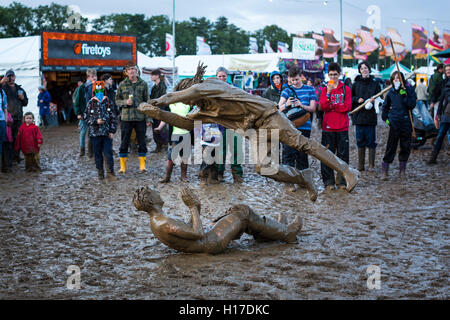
365, 42
170, 48
446, 37
330, 45
267, 47
383, 45
202, 47
419, 43
319, 45
253, 45
283, 47
349, 45
399, 44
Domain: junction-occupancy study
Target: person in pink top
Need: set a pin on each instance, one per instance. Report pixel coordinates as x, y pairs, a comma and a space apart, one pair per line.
335, 102
29, 141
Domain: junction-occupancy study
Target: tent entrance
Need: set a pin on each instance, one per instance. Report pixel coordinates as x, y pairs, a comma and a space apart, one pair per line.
62, 85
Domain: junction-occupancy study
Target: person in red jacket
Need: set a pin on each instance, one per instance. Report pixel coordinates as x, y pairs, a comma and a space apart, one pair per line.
335, 102
29, 141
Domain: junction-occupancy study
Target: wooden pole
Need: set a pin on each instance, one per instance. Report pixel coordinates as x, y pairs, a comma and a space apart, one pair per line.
379, 94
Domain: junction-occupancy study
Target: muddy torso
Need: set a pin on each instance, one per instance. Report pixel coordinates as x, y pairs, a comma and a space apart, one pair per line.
222, 103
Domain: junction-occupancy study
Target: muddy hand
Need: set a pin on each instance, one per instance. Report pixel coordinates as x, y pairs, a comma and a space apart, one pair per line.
148, 109
189, 198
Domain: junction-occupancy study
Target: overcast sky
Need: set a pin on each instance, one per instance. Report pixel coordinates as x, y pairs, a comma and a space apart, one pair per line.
291, 15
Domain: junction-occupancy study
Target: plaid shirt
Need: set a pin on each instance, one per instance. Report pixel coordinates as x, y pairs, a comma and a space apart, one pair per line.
139, 90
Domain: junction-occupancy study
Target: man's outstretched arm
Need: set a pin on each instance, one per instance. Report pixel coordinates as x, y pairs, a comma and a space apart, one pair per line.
185, 96
166, 116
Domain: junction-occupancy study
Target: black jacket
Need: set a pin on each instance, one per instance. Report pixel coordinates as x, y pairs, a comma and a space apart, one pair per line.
100, 110
158, 90
444, 98
15, 105
396, 107
364, 88
272, 93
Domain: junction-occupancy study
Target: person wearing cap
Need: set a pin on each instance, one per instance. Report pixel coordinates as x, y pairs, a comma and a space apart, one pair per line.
365, 120
131, 92
158, 90
17, 99
44, 105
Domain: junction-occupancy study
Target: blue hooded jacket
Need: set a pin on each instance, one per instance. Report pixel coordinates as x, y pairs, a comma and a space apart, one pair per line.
396, 107
272, 93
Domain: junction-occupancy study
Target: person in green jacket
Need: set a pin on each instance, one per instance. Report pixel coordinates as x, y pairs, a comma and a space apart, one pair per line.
131, 92
434, 82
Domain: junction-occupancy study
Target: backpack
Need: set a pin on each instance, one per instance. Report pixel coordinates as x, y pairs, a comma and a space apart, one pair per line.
297, 115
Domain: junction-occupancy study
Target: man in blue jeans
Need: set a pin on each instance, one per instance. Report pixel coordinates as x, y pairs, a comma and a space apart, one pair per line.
442, 119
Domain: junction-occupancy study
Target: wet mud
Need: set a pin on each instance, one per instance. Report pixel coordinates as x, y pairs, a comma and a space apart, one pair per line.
64, 216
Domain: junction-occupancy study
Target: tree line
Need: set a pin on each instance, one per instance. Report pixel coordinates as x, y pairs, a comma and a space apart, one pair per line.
18, 20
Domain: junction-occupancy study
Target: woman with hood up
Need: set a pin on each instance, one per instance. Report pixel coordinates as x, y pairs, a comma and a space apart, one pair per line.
274, 91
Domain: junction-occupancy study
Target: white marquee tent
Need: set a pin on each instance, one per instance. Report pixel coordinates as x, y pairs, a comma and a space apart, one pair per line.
22, 55
263, 62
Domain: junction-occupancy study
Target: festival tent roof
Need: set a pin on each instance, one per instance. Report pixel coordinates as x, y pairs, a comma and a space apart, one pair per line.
144, 61
425, 70
22, 55
386, 74
261, 62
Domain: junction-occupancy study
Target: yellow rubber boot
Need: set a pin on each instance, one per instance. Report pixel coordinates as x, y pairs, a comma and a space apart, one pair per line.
142, 164
123, 164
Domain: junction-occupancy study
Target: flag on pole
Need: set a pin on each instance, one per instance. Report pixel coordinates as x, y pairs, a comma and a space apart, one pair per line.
202, 47
267, 47
170, 52
283, 47
446, 37
349, 45
365, 42
399, 44
419, 35
383, 47
319, 45
253, 45
435, 42
330, 45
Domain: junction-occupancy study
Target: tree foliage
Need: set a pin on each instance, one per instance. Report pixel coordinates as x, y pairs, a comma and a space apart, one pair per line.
223, 37
18, 20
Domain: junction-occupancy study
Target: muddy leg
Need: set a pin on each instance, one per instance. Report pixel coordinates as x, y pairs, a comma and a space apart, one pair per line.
269, 229
296, 140
292, 175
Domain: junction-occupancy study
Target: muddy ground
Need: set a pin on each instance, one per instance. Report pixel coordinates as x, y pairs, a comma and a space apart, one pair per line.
64, 216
